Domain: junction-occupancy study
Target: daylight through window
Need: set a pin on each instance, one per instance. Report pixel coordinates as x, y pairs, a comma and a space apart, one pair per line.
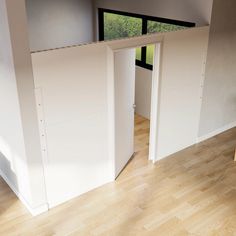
117, 25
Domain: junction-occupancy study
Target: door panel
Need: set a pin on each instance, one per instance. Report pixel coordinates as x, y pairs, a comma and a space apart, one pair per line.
124, 110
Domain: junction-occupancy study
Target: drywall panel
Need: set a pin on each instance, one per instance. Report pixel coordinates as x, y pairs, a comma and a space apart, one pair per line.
73, 84
219, 97
75, 96
75, 88
143, 89
182, 66
185, 10
58, 23
124, 62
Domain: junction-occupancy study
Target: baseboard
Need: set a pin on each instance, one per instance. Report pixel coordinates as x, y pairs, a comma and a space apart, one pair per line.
173, 152
63, 200
34, 211
200, 139
216, 132
38, 210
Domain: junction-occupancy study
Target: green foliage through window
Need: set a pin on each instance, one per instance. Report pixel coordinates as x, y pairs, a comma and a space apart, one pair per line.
159, 27
150, 54
138, 54
117, 25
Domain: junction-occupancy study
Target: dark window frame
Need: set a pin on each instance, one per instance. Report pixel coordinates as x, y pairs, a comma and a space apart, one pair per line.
145, 20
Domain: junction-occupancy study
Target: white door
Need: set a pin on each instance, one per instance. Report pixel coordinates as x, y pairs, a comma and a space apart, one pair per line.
124, 107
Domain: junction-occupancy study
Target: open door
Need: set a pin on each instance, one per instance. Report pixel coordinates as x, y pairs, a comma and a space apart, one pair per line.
124, 107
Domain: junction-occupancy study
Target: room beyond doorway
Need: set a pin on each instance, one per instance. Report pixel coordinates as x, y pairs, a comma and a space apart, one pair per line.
141, 145
143, 84
143, 95
141, 137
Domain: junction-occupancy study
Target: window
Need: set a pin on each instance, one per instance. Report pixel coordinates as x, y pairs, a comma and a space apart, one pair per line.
155, 27
117, 25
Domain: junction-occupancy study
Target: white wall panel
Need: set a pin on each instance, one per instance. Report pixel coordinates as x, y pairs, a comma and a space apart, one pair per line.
74, 95
77, 89
143, 89
182, 71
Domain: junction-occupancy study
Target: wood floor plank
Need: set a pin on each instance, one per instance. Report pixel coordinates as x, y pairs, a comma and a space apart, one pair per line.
192, 192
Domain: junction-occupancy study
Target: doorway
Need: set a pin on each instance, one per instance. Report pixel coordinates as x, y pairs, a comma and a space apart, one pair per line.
143, 91
132, 121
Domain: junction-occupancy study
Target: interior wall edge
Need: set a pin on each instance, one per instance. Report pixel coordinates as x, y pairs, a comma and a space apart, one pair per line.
34, 210
16, 13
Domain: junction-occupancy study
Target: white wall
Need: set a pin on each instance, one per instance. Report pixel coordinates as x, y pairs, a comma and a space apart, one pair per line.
21, 164
182, 66
186, 10
73, 84
219, 97
74, 88
143, 89
75, 102
12, 149
58, 23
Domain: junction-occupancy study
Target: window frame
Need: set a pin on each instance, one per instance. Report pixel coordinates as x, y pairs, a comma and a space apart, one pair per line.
145, 19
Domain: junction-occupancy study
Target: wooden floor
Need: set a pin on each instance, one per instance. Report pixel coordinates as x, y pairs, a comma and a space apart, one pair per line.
190, 193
